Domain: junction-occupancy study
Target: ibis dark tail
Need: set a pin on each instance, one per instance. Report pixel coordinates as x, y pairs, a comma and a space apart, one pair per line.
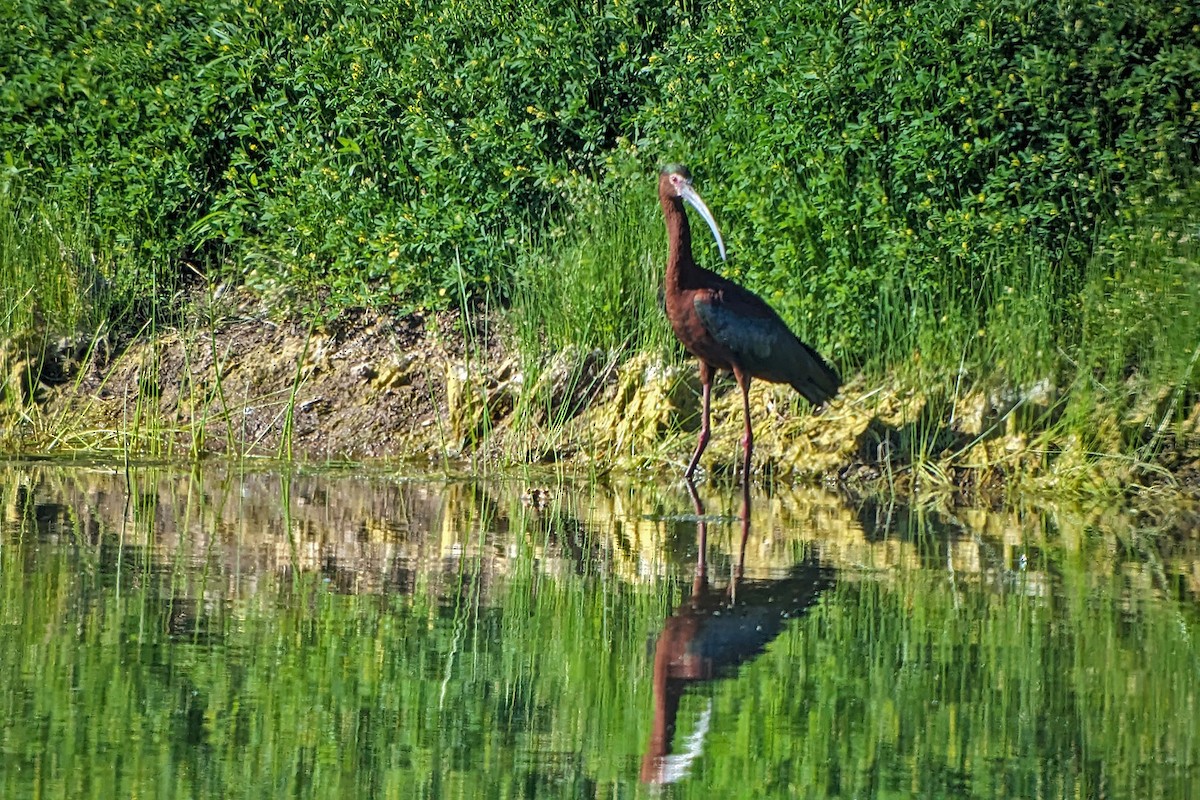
812, 377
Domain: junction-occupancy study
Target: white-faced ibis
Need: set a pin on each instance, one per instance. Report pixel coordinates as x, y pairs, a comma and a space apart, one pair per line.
726, 326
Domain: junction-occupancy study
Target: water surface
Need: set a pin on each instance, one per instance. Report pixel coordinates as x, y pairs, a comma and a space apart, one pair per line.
227, 633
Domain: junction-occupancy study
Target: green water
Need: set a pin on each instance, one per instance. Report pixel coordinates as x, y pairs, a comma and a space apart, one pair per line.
228, 634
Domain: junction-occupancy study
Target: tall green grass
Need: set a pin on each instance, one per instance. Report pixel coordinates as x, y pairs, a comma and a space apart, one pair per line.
1139, 330
596, 283
51, 279
1003, 328
1131, 312
586, 297
60, 318
54, 302
1115, 337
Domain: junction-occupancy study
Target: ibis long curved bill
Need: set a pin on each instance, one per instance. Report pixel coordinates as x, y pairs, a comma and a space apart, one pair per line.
693, 199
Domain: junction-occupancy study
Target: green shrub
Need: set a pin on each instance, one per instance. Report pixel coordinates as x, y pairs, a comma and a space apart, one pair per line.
872, 162
360, 148
1140, 312
857, 145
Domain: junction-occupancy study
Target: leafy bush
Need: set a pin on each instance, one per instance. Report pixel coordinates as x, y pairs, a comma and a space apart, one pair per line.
908, 145
866, 158
359, 147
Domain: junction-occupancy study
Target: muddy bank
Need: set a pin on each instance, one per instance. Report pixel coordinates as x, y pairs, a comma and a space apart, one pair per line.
435, 389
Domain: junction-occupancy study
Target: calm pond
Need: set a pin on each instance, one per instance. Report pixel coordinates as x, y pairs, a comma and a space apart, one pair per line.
226, 634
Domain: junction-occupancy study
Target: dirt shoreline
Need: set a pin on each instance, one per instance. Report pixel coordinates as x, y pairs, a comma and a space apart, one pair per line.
371, 386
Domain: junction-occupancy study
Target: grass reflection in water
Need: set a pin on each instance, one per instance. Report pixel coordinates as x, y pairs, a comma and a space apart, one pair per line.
225, 634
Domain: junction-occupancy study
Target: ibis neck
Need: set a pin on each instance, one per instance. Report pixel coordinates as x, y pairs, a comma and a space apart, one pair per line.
680, 264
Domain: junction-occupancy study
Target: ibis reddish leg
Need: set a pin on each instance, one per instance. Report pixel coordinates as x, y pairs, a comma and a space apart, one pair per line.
743, 379
706, 375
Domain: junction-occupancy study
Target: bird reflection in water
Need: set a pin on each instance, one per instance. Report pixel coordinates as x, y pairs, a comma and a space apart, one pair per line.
712, 633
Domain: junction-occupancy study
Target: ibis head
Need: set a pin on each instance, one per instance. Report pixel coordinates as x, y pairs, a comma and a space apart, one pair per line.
676, 181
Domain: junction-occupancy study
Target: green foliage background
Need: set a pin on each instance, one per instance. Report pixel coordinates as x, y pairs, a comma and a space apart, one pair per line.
861, 155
